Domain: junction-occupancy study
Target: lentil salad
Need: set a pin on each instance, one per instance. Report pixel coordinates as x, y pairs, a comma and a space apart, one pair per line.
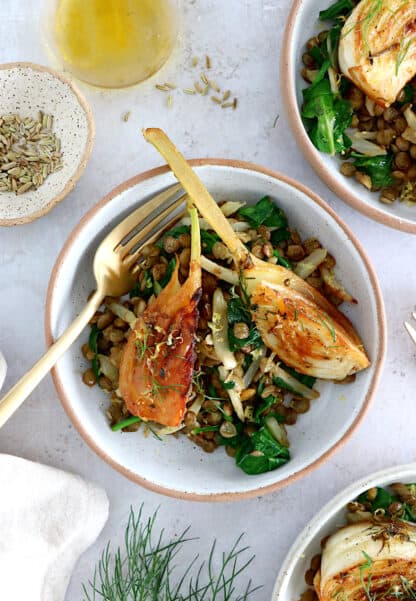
376, 143
387, 516
247, 409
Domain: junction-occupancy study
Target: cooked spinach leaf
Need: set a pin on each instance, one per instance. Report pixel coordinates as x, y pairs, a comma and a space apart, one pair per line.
264, 212
208, 239
238, 312
339, 8
378, 168
281, 260
147, 291
308, 381
92, 343
169, 271
330, 117
279, 235
261, 452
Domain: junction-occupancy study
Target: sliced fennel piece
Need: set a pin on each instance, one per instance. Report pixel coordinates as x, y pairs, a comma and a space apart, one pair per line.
277, 430
123, 313
238, 226
299, 388
219, 327
235, 392
253, 367
107, 368
308, 265
222, 273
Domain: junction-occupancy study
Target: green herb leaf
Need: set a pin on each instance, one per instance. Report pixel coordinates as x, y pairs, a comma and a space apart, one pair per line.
341, 7
92, 343
261, 452
264, 212
378, 168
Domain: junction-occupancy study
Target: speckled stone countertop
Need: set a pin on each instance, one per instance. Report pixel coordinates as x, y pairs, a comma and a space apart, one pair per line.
243, 38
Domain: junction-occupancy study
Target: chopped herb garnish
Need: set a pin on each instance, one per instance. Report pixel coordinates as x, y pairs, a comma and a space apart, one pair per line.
125, 423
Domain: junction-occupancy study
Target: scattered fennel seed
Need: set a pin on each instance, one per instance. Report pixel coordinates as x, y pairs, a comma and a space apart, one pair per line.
126, 116
170, 101
216, 99
226, 95
204, 79
195, 61
207, 62
189, 91
214, 85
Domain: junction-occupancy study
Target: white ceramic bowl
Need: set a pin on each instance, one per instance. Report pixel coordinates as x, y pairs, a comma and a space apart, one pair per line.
303, 23
174, 466
25, 89
290, 583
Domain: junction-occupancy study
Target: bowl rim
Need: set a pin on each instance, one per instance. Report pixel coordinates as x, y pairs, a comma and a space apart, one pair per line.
315, 157
327, 511
377, 361
88, 146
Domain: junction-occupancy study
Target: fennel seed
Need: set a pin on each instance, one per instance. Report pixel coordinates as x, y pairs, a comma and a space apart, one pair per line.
213, 84
189, 91
29, 152
126, 116
204, 79
207, 62
216, 99
195, 61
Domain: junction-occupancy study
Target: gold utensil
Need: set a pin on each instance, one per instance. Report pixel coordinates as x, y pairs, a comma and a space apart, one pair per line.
113, 265
306, 331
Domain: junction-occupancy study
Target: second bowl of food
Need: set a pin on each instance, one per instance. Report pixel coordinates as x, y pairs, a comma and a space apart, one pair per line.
361, 545
252, 421
349, 69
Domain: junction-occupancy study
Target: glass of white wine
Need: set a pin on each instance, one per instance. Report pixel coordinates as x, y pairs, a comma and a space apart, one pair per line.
113, 43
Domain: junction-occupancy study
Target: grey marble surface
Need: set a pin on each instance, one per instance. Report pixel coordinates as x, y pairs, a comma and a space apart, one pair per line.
243, 38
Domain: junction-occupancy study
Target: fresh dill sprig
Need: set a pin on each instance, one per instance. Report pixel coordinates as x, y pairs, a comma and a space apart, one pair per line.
146, 569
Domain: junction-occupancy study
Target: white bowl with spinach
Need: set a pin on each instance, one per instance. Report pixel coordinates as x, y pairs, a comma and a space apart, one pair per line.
365, 153
175, 465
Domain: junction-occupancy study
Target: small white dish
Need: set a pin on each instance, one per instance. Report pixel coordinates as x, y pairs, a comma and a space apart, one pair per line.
302, 24
175, 467
25, 89
290, 583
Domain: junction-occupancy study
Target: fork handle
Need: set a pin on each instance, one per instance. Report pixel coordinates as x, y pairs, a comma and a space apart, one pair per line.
20, 391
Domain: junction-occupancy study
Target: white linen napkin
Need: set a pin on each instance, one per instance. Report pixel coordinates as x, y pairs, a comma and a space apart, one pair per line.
47, 519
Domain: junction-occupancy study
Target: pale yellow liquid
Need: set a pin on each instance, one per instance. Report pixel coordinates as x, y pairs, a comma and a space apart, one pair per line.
114, 43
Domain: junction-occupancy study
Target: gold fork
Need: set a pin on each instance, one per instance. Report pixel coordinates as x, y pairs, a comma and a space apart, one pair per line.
113, 265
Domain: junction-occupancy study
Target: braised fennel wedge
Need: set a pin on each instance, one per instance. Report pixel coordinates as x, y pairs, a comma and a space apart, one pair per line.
148, 568
289, 313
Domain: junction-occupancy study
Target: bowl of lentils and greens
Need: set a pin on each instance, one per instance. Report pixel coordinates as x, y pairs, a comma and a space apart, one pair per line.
350, 98
251, 422
361, 545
